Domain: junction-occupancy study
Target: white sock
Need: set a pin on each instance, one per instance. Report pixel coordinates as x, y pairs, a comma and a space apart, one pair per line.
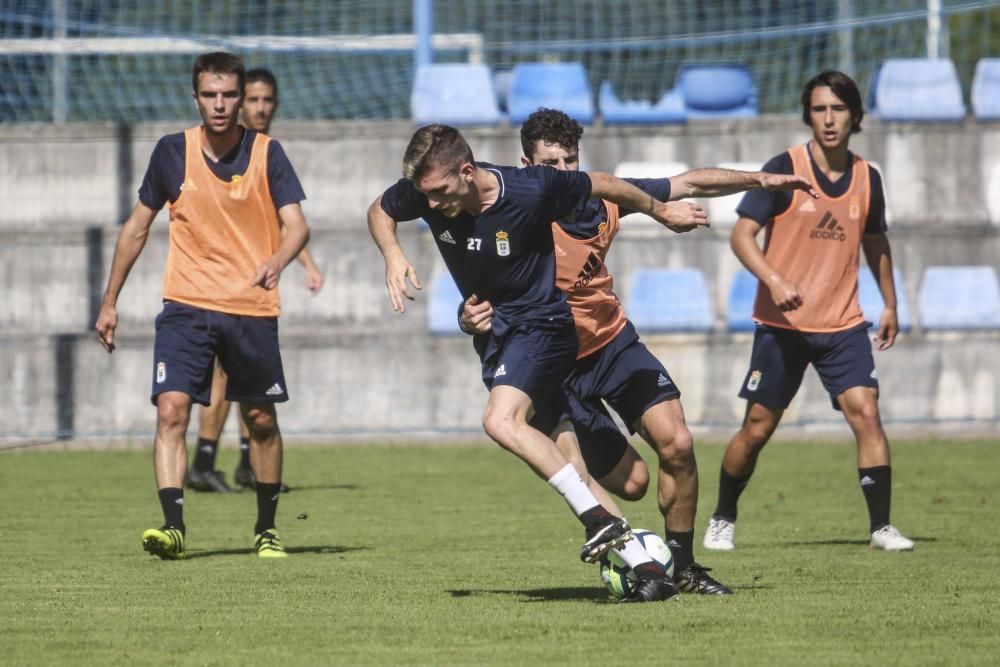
569, 485
633, 553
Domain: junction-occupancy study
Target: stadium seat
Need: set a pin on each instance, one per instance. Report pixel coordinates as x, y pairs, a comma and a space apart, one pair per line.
986, 89
919, 89
501, 83
562, 86
722, 210
614, 111
442, 309
993, 193
739, 306
960, 297
458, 94
647, 170
871, 298
717, 91
663, 300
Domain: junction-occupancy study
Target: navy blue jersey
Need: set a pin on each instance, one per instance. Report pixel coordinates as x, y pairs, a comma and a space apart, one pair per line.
505, 254
763, 205
583, 223
165, 173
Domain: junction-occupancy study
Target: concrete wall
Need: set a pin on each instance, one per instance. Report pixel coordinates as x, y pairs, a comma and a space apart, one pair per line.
354, 366
90, 173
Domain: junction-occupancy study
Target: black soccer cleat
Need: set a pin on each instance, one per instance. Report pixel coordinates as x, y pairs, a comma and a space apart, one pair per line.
651, 590
611, 534
244, 477
695, 579
211, 481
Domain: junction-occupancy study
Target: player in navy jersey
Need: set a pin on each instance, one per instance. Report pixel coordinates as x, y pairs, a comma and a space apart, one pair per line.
492, 226
260, 102
612, 364
807, 309
230, 191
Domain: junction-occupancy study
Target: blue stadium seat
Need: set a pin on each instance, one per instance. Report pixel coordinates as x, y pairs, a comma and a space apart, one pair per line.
614, 111
960, 297
986, 89
717, 91
454, 93
662, 300
442, 309
919, 89
871, 298
739, 307
562, 86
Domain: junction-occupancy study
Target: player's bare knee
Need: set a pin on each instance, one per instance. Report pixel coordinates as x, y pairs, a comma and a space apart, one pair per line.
263, 424
171, 415
499, 427
635, 486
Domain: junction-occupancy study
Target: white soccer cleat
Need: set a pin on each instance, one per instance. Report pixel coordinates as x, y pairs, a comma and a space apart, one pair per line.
719, 535
888, 538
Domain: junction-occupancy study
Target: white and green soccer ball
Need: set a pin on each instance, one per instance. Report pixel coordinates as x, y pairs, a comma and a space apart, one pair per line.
619, 578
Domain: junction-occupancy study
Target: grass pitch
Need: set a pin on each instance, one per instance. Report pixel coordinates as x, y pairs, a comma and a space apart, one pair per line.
460, 556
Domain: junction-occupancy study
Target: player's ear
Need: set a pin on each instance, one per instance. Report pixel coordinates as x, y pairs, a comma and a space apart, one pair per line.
525, 161
467, 170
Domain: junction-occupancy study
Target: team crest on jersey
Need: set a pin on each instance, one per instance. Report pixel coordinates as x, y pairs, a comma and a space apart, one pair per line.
854, 210
503, 244
161, 373
236, 178
754, 381
601, 227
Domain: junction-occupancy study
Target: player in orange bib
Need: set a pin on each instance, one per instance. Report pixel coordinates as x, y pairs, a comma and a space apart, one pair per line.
230, 190
612, 363
807, 308
260, 102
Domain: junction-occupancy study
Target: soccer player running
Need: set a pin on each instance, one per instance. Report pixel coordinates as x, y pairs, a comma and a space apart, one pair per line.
260, 102
230, 190
612, 364
807, 306
492, 226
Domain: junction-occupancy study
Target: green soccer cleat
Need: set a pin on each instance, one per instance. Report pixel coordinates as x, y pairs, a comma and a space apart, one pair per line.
267, 544
166, 542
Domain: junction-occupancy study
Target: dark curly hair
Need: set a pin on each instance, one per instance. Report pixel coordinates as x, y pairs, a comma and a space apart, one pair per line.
550, 126
843, 87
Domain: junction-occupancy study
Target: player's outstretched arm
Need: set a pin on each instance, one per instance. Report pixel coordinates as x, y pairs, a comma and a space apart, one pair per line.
743, 241
677, 216
397, 268
292, 242
879, 258
131, 241
715, 182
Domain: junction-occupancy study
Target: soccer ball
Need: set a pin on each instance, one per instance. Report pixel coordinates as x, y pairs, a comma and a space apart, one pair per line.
619, 578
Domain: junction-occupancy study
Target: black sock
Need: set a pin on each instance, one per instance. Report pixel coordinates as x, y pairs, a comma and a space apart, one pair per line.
172, 504
267, 505
244, 454
682, 547
876, 484
730, 489
594, 518
204, 455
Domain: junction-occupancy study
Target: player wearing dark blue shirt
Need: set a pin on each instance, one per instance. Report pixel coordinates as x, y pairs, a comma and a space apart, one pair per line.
613, 365
499, 247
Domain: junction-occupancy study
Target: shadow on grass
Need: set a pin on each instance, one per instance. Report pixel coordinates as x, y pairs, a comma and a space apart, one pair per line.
809, 543
323, 487
572, 594
333, 549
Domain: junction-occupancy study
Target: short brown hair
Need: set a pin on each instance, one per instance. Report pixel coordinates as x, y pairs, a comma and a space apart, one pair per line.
435, 146
218, 62
843, 87
550, 126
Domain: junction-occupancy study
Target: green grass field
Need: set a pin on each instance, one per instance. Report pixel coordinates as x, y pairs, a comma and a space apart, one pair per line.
460, 556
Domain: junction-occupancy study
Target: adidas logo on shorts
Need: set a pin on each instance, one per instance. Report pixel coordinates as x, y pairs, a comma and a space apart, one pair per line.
663, 381
275, 390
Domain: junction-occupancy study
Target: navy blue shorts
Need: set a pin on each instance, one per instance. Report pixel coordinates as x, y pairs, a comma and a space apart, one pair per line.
602, 443
534, 359
779, 359
625, 374
188, 340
